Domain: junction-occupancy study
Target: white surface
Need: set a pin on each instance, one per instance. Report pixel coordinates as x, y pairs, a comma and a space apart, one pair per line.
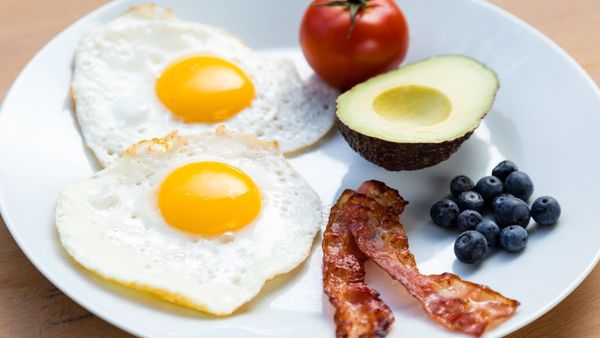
545, 119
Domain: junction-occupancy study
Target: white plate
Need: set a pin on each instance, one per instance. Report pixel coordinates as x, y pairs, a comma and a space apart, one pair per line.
546, 119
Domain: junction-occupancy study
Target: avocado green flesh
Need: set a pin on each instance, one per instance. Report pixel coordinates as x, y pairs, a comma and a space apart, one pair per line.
431, 101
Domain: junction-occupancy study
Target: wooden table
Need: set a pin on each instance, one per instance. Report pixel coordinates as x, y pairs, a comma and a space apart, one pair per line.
32, 307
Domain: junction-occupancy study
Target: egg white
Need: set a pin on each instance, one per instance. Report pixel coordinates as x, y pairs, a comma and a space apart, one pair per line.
111, 224
115, 73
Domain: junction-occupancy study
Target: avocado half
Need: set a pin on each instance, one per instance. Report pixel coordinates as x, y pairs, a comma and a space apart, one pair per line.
418, 115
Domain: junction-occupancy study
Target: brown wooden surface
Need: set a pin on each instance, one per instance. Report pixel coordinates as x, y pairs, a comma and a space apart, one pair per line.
31, 307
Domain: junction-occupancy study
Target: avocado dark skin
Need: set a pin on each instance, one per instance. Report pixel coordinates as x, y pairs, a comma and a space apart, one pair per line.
399, 156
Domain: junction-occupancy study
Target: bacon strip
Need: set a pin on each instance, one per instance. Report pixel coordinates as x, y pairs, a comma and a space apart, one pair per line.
359, 311
372, 215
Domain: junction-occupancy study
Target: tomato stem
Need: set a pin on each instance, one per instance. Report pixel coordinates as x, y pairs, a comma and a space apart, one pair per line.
354, 6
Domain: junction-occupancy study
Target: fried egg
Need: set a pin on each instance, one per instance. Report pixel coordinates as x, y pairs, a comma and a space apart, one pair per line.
201, 221
148, 73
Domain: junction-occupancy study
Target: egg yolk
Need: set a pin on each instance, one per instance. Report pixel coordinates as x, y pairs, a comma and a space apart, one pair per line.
204, 89
208, 198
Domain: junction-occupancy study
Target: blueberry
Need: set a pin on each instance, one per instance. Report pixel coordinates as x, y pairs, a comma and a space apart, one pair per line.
444, 213
468, 220
511, 211
503, 169
519, 185
545, 210
490, 230
513, 238
470, 200
498, 200
489, 187
470, 247
460, 184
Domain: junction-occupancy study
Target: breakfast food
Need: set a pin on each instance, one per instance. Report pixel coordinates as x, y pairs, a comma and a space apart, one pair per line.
445, 213
490, 230
470, 200
489, 188
506, 192
470, 247
503, 169
372, 216
148, 73
545, 210
511, 211
418, 115
513, 238
359, 310
499, 200
347, 42
460, 184
201, 221
468, 220
519, 185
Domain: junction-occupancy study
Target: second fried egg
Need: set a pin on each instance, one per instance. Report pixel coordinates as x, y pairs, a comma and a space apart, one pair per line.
201, 221
147, 73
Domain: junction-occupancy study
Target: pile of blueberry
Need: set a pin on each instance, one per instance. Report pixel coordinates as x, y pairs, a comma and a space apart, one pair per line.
504, 195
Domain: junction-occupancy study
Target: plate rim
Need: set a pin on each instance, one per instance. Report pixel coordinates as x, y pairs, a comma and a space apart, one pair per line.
140, 331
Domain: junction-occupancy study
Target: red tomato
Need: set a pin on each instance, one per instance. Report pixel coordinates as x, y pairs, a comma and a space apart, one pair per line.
345, 54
